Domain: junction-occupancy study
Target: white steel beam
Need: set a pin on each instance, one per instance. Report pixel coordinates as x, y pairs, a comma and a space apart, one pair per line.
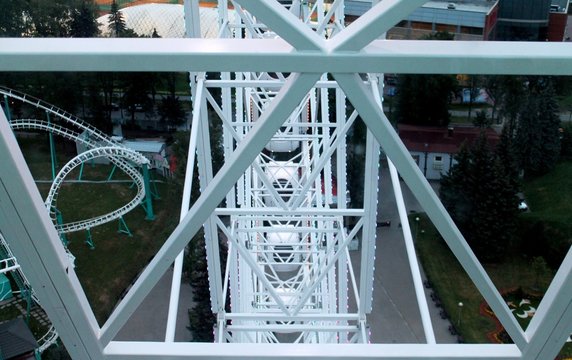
275, 55
369, 232
202, 351
287, 99
284, 24
185, 205
379, 125
34, 241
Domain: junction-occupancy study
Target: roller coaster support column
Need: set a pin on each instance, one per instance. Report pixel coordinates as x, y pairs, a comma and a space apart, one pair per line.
123, 228
89, 239
60, 221
7, 108
148, 194
52, 149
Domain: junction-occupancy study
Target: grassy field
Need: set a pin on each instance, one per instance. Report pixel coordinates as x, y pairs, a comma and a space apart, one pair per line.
107, 270
549, 201
549, 197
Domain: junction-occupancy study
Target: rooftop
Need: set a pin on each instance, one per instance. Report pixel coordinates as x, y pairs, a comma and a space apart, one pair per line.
441, 140
481, 6
16, 339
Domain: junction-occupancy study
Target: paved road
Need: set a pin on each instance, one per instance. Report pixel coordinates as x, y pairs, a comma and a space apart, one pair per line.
148, 323
395, 317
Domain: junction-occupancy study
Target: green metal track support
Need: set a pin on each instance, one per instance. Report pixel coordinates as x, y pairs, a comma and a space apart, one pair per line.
123, 228
155, 190
52, 149
148, 194
111, 173
80, 171
60, 221
28, 296
9, 117
89, 239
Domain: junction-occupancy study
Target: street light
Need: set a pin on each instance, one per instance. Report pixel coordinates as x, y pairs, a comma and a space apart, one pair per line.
459, 317
416, 226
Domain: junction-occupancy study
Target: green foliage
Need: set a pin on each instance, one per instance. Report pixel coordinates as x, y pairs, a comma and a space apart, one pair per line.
540, 269
538, 133
356, 162
481, 120
201, 317
84, 23
566, 141
116, 22
171, 110
12, 18
480, 196
424, 99
509, 98
546, 231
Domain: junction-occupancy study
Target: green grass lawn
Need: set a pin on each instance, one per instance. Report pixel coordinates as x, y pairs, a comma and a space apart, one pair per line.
108, 270
549, 200
550, 197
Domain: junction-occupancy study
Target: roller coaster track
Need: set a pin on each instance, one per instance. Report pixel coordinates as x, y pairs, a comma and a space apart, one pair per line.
7, 258
99, 144
69, 118
114, 152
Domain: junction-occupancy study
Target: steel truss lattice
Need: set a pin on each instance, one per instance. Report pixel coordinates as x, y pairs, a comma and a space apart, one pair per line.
269, 107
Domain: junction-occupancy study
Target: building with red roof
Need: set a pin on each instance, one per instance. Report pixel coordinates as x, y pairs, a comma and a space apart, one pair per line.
434, 148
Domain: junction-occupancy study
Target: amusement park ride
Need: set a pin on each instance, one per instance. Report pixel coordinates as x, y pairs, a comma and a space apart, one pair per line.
287, 75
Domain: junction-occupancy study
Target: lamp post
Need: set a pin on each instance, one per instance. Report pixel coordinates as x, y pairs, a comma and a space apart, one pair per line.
416, 226
459, 317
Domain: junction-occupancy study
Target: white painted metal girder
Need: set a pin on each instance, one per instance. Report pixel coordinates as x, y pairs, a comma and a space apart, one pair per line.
202, 351
349, 52
365, 104
284, 24
275, 55
33, 239
295, 89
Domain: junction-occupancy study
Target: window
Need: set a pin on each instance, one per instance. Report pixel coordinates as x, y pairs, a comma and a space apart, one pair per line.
438, 163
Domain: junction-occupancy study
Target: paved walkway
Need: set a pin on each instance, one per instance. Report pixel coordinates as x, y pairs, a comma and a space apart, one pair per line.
149, 322
395, 317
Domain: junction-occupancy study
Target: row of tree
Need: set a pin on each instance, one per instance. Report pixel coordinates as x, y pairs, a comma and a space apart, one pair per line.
91, 95
481, 189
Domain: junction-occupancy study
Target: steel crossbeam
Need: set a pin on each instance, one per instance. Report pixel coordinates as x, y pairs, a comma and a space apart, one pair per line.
307, 55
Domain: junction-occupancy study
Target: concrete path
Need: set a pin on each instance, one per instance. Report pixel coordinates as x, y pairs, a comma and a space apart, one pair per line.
149, 322
395, 317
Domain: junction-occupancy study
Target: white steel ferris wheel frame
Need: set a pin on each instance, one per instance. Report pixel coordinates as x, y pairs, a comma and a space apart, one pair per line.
28, 229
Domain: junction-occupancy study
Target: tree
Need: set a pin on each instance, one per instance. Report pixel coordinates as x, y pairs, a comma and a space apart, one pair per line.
84, 23
116, 25
537, 133
201, 317
424, 99
13, 18
171, 110
480, 196
481, 120
51, 18
475, 82
512, 95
